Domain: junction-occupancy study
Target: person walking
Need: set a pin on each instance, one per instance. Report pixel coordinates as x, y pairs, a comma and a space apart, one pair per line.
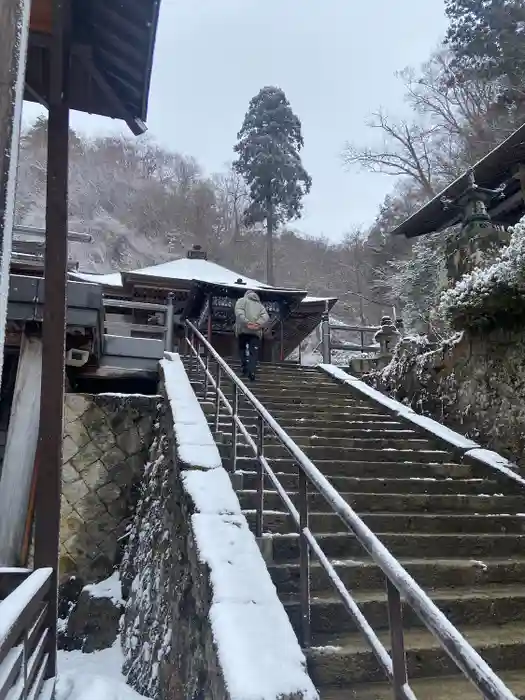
250, 320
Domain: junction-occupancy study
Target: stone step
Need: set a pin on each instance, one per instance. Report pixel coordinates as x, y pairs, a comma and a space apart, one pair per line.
415, 503
280, 399
356, 454
455, 687
363, 574
389, 485
347, 659
346, 408
285, 547
363, 441
301, 427
360, 468
279, 388
470, 523
462, 606
315, 411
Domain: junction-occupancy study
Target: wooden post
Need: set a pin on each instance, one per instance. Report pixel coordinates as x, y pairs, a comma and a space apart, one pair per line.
19, 458
14, 29
48, 486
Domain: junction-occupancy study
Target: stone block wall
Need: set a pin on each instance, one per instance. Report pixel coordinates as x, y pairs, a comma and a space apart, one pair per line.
106, 443
473, 384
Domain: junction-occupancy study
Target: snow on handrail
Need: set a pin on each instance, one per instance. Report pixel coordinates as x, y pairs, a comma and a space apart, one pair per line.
468, 449
457, 647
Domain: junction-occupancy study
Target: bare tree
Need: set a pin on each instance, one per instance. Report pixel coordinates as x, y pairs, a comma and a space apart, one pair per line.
405, 150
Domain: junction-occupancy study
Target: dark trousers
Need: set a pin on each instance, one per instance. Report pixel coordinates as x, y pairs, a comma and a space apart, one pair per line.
249, 352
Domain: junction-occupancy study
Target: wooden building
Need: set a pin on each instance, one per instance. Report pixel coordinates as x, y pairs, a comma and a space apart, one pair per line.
205, 293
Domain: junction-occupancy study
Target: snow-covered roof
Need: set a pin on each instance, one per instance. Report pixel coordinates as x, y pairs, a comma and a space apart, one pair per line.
180, 269
197, 269
312, 300
113, 279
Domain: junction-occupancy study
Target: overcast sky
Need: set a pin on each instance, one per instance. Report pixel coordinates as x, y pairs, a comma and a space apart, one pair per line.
335, 59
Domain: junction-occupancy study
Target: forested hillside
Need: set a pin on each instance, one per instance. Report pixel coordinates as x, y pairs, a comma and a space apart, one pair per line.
143, 204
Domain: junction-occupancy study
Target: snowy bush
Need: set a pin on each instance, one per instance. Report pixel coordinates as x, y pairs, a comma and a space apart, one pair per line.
493, 296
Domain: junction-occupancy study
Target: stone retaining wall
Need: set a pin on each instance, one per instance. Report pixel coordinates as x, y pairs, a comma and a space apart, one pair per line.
473, 384
106, 442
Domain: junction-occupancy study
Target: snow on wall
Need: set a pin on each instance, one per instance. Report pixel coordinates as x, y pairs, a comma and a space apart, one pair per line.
194, 442
487, 293
203, 618
258, 651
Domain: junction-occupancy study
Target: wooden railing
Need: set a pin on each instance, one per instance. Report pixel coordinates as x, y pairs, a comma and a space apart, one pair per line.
26, 645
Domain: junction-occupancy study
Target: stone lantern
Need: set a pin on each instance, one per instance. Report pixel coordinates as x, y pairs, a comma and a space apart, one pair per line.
478, 238
387, 336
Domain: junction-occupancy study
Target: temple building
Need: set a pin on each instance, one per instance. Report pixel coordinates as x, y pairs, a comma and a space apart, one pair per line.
205, 293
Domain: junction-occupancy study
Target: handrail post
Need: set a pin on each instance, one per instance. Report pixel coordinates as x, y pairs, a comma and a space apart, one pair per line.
395, 618
325, 330
193, 359
304, 563
206, 372
169, 323
259, 512
234, 427
217, 399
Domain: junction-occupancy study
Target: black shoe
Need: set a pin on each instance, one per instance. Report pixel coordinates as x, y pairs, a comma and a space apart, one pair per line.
252, 376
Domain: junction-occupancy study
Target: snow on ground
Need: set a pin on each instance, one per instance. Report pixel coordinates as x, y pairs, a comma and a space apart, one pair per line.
95, 676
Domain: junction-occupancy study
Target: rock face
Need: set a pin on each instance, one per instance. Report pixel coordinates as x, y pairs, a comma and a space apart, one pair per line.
92, 625
106, 443
167, 635
475, 384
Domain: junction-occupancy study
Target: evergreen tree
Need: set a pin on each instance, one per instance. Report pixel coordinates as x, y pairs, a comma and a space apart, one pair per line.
487, 36
268, 149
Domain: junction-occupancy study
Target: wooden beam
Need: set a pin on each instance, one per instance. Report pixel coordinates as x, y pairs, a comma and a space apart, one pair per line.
14, 31
35, 96
19, 457
48, 486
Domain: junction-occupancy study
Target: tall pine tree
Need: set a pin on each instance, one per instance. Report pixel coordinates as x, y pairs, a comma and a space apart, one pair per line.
488, 37
270, 141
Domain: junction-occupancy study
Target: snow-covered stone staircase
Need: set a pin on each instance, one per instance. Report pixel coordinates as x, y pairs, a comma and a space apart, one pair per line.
455, 528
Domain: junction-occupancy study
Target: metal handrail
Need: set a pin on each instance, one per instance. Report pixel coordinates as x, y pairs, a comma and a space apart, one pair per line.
398, 580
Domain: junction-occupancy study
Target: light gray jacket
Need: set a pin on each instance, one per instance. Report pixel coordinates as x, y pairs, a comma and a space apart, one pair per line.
249, 309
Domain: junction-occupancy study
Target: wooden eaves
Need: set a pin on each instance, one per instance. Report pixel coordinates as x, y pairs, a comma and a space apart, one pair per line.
502, 166
112, 44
